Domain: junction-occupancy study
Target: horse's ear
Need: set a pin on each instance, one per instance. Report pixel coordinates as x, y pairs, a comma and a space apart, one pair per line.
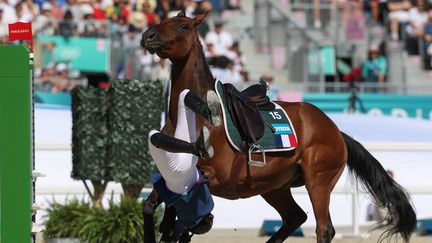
200, 17
181, 14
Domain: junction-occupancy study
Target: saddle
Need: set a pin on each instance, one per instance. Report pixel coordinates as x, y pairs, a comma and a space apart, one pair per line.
244, 107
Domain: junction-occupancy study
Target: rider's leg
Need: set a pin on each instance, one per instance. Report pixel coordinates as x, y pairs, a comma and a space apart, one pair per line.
200, 148
184, 134
178, 169
210, 110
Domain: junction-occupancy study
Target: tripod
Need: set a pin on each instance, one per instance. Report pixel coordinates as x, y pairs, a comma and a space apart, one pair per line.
353, 99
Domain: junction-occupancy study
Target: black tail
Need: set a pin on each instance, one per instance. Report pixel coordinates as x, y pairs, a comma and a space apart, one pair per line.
389, 195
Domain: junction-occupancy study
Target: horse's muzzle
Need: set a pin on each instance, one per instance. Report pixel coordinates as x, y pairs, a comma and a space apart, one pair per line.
150, 40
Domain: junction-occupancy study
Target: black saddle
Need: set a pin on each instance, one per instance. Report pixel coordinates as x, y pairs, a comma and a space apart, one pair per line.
244, 107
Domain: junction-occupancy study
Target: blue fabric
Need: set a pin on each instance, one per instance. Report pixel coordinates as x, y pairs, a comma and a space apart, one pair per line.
191, 207
164, 193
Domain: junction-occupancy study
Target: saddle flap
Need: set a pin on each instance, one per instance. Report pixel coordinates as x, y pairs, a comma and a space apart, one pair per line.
245, 114
257, 93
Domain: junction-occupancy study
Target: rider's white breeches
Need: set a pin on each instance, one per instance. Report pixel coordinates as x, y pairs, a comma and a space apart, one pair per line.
178, 169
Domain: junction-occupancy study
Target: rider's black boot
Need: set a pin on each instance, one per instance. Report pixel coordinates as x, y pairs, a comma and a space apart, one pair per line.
200, 148
210, 110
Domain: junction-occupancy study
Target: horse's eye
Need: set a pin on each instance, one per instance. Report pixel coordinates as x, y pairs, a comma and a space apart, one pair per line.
184, 26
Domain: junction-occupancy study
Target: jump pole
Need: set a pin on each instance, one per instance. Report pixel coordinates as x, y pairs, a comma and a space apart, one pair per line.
16, 145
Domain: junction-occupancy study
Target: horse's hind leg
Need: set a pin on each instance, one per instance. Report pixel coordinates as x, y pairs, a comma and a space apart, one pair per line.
321, 176
292, 215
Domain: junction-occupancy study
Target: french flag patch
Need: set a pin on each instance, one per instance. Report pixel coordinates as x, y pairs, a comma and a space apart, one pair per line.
284, 136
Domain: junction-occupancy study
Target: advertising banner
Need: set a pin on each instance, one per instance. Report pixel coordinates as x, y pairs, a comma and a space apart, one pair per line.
397, 105
82, 53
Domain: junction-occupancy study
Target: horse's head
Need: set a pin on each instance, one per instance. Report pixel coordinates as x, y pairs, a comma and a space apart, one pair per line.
173, 38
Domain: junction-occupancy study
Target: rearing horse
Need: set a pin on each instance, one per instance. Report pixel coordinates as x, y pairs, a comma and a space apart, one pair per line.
317, 162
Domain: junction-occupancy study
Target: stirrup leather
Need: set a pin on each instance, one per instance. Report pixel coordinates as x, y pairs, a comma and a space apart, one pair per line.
256, 163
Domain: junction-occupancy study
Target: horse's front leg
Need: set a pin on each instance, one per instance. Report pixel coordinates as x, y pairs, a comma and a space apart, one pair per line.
148, 209
166, 227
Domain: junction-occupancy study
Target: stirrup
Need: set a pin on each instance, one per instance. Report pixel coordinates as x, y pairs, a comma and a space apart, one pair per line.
256, 163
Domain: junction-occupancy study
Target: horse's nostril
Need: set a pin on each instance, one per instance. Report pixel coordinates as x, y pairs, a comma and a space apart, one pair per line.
151, 36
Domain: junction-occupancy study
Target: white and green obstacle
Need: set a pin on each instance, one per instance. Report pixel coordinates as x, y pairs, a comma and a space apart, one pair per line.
16, 145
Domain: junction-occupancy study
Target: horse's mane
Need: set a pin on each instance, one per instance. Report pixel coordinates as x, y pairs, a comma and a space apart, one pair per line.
209, 75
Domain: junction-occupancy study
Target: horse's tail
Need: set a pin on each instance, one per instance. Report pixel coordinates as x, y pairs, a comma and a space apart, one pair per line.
388, 194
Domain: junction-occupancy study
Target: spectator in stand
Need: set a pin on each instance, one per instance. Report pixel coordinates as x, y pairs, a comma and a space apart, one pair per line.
223, 70
62, 81
201, 8
75, 8
9, 14
145, 14
87, 27
221, 40
245, 81
170, 7
234, 4
67, 27
25, 11
236, 56
151, 17
131, 40
427, 38
48, 57
56, 11
417, 19
139, 21
43, 23
398, 13
374, 68
189, 7
147, 61
45, 80
99, 10
118, 27
120, 7
210, 54
3, 25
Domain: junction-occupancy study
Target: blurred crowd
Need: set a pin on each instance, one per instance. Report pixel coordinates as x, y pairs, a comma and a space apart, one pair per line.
407, 24
123, 21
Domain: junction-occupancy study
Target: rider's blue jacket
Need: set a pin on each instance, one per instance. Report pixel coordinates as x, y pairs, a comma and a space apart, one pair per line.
191, 207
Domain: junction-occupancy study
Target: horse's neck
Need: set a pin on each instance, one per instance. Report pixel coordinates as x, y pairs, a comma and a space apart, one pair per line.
190, 73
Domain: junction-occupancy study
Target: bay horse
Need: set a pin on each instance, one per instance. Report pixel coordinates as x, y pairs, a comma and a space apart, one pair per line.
317, 162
